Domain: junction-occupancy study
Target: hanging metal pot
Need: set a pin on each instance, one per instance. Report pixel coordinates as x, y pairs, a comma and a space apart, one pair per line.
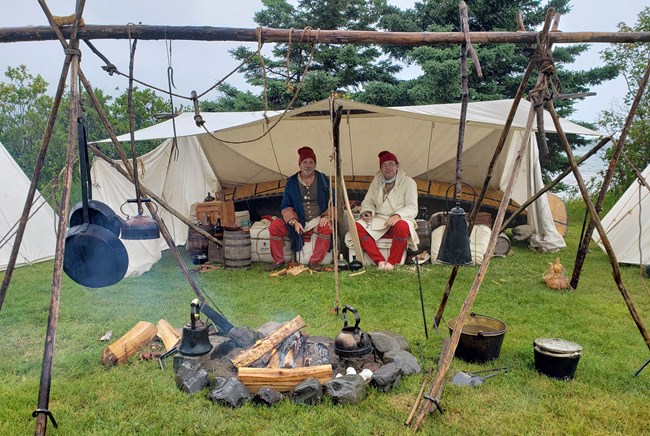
98, 213
351, 342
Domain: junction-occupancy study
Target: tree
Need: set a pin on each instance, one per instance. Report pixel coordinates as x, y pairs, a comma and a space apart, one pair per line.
333, 67
630, 60
368, 73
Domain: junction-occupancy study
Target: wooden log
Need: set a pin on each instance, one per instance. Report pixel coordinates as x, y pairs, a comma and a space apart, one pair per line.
268, 35
268, 343
129, 344
282, 379
168, 334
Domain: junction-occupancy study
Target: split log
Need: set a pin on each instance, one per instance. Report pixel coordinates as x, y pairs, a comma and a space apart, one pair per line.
168, 334
268, 343
129, 344
281, 379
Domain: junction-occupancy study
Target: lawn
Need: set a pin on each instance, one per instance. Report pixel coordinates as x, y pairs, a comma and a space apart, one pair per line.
140, 398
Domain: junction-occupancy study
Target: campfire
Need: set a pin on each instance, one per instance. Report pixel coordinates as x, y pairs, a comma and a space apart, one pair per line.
275, 361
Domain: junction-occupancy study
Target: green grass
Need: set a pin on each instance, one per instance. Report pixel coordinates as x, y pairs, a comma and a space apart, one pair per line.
139, 398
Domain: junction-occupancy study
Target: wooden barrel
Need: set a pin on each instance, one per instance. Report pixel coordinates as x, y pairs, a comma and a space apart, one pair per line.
424, 233
196, 244
236, 249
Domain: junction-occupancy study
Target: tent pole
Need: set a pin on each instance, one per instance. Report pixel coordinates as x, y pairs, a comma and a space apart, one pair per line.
584, 245
554, 182
616, 269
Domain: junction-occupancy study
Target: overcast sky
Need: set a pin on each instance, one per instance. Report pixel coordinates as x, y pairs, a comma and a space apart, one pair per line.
198, 65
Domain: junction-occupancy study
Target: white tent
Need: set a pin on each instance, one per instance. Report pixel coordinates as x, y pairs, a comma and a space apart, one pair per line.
39, 240
627, 225
250, 147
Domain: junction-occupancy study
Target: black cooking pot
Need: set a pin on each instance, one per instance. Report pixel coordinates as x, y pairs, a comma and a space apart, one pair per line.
94, 255
351, 342
98, 213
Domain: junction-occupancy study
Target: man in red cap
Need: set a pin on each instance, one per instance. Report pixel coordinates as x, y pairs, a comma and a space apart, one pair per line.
304, 209
389, 210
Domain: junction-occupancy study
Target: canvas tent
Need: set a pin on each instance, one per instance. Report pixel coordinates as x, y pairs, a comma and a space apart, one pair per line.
251, 147
39, 240
627, 225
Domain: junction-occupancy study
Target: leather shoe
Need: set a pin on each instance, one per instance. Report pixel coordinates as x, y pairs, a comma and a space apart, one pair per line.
315, 267
276, 266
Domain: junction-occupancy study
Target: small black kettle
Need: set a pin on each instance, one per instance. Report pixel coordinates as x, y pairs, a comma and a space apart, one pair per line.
195, 341
351, 342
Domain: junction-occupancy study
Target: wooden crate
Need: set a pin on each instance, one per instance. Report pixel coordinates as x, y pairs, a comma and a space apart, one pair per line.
209, 211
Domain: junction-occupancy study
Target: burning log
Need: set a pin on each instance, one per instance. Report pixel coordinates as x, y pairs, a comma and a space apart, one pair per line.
282, 379
268, 343
129, 344
168, 334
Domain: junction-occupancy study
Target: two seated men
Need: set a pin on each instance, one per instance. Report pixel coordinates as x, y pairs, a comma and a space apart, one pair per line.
387, 211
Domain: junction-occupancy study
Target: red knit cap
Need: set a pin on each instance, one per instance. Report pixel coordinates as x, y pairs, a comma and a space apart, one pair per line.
305, 153
385, 156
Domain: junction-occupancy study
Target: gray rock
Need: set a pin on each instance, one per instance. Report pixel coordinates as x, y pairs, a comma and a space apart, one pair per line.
191, 378
308, 393
228, 392
243, 336
387, 377
182, 359
349, 389
267, 396
221, 346
407, 362
384, 341
268, 328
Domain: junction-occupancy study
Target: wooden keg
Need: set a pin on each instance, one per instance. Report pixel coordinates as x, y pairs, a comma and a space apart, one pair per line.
236, 249
197, 244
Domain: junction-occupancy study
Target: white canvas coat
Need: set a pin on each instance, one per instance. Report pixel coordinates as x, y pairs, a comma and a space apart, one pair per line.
401, 200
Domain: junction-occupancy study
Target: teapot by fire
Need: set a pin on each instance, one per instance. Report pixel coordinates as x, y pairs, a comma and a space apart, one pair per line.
195, 341
351, 342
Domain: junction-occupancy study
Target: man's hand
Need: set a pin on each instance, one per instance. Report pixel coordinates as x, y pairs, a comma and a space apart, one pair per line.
298, 227
324, 220
367, 216
390, 222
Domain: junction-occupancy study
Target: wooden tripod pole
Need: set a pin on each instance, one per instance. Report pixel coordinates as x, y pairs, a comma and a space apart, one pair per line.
40, 160
584, 244
616, 269
42, 412
448, 355
488, 178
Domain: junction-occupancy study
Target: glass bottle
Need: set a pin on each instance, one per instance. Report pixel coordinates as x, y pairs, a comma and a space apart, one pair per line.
355, 264
343, 265
218, 230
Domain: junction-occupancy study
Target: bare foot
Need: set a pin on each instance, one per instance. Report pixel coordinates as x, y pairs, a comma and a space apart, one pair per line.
381, 265
388, 266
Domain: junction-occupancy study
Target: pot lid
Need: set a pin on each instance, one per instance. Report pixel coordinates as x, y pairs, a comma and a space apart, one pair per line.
557, 345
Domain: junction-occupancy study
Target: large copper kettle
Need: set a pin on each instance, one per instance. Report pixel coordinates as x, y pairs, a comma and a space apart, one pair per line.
351, 342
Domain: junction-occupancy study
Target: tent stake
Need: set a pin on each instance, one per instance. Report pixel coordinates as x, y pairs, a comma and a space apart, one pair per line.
584, 245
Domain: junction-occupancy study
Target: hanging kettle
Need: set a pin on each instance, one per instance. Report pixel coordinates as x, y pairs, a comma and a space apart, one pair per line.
195, 341
351, 342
